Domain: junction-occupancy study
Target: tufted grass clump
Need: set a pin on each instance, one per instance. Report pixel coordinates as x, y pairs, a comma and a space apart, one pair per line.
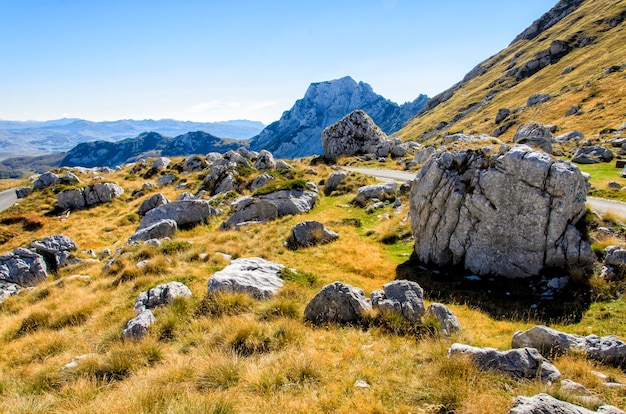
219, 371
216, 304
253, 338
175, 247
302, 278
281, 307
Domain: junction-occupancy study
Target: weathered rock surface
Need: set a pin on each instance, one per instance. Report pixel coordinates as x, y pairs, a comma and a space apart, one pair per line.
337, 302
309, 233
548, 341
448, 322
161, 295
23, 267
23, 192
138, 327
158, 230
161, 163
183, 212
383, 191
55, 249
333, 182
260, 181
546, 404
254, 276
267, 207
534, 134
8, 289
537, 99
155, 201
402, 297
265, 161
89, 196
424, 154
193, 163
46, 180
522, 363
592, 155
354, 134
511, 215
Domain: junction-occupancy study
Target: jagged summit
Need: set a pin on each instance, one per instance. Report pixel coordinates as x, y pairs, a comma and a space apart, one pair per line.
297, 133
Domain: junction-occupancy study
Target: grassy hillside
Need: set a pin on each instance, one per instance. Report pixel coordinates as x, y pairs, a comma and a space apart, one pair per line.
232, 354
595, 33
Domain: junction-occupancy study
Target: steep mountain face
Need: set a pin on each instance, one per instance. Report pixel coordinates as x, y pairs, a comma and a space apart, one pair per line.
565, 69
32, 137
148, 144
297, 133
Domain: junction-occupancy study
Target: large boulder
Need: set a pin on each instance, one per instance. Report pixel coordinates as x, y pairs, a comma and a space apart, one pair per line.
46, 180
266, 207
183, 212
511, 215
138, 327
402, 297
548, 341
23, 267
161, 295
521, 363
354, 134
89, 196
333, 182
309, 233
193, 163
254, 276
23, 192
55, 249
337, 302
158, 230
265, 162
593, 154
534, 134
547, 404
161, 163
155, 201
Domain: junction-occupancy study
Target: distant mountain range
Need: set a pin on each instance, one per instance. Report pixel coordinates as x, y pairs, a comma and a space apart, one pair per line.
298, 132
36, 138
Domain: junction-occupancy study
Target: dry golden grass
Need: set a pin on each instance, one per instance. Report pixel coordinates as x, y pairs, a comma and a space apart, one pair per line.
228, 353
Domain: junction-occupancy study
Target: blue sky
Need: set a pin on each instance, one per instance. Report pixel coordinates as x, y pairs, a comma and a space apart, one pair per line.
237, 59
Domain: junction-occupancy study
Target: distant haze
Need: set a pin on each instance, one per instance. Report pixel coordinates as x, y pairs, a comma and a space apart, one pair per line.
211, 61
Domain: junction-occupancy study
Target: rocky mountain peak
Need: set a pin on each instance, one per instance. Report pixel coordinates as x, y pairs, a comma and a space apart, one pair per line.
549, 19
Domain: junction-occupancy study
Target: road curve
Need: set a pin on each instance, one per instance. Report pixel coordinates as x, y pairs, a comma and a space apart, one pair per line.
601, 205
7, 198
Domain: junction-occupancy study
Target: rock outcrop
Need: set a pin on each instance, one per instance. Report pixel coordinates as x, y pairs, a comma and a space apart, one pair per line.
255, 276
536, 135
155, 201
447, 320
46, 180
297, 133
23, 267
339, 303
521, 363
158, 230
510, 215
55, 249
184, 212
309, 233
548, 341
91, 195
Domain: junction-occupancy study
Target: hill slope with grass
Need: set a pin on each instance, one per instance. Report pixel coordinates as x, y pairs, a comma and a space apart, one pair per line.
574, 56
229, 353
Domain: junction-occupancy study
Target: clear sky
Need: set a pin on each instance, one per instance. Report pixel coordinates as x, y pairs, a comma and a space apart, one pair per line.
236, 59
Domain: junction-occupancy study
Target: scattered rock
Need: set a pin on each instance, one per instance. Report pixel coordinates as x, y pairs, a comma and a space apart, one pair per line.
265, 161
383, 191
56, 250
155, 201
448, 322
89, 196
592, 155
361, 384
510, 215
45, 180
502, 114
614, 185
309, 233
260, 181
254, 276
402, 297
573, 110
537, 99
333, 181
161, 295
282, 165
23, 267
193, 163
137, 327
337, 302
184, 213
158, 230
534, 134
607, 349
166, 179
23, 192
544, 404
161, 163
522, 363
570, 136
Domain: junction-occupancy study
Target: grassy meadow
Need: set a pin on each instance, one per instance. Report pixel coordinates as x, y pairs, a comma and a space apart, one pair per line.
228, 353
